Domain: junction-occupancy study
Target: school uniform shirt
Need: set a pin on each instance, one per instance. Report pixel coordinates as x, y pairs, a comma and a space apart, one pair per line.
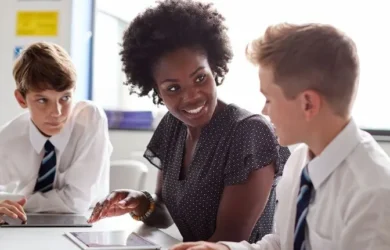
350, 205
83, 153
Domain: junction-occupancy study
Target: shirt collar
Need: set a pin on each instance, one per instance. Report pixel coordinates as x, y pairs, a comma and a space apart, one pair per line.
322, 166
59, 141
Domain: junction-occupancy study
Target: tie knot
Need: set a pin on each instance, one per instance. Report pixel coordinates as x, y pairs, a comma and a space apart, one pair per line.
305, 178
48, 146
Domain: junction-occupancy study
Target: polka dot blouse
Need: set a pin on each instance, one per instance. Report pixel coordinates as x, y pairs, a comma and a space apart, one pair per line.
230, 147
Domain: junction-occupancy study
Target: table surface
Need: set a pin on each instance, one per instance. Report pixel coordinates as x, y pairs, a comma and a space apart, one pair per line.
53, 238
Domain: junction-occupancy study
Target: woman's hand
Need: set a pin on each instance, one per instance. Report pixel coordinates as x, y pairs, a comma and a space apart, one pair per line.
120, 202
200, 245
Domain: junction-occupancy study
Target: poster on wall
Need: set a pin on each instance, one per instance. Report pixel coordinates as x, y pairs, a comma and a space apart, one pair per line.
37, 23
39, 0
17, 51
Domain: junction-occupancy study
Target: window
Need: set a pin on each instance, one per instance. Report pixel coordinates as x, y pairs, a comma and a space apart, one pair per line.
366, 22
111, 20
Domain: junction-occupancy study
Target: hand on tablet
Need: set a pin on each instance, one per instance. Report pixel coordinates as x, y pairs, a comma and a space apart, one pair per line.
13, 209
120, 202
200, 245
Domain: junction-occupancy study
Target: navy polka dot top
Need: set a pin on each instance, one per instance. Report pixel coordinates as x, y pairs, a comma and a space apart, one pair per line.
230, 147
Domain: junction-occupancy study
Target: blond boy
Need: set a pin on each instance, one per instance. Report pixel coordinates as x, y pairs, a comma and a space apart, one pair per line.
334, 193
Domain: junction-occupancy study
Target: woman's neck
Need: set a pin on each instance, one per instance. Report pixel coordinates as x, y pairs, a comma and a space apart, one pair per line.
193, 133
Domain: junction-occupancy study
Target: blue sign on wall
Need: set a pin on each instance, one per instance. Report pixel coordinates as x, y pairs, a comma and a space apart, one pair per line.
17, 51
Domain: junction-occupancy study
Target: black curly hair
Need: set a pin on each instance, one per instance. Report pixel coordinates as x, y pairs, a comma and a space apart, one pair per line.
171, 25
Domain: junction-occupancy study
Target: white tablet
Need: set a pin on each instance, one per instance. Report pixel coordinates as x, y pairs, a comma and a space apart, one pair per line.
110, 240
47, 220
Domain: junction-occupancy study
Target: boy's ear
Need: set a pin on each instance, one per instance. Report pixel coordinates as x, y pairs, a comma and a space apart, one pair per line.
310, 103
20, 99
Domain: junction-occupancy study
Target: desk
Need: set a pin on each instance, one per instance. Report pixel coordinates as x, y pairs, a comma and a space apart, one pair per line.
54, 238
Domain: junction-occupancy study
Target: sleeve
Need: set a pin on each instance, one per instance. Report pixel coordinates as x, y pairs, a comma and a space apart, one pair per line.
158, 146
254, 145
366, 221
268, 242
86, 176
8, 172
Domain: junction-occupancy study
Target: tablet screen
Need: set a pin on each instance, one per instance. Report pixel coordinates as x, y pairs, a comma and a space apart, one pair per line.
113, 239
51, 220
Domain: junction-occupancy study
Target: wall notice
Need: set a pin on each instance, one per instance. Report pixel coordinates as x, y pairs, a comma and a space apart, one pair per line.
37, 23
17, 51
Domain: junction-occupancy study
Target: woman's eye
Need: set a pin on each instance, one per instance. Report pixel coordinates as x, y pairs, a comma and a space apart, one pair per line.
200, 78
173, 88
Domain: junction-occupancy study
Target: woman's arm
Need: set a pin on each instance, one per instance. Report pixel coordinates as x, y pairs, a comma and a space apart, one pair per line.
160, 218
242, 205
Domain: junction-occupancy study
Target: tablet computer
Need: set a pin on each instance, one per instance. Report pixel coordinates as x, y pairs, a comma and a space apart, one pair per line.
110, 240
47, 220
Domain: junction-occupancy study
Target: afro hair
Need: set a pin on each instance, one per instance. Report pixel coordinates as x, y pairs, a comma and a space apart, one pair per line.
171, 25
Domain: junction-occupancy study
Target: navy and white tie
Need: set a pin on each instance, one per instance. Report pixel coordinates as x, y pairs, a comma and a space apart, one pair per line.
303, 201
47, 170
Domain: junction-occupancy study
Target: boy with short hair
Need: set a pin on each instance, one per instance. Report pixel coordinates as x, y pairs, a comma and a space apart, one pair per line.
334, 193
59, 151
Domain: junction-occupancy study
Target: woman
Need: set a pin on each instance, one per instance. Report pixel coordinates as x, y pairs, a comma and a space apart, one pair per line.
217, 162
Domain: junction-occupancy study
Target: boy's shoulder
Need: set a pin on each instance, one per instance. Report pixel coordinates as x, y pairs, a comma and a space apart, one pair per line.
369, 163
14, 129
88, 112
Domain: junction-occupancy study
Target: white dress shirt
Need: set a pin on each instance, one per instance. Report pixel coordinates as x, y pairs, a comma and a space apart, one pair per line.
350, 208
83, 153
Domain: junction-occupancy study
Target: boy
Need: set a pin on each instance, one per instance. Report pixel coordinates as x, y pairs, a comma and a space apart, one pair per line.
59, 151
334, 193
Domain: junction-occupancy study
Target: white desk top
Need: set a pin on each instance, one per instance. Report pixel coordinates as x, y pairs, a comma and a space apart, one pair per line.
54, 238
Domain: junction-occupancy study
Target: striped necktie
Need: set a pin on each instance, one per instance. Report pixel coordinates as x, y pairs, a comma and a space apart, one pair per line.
303, 201
47, 170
